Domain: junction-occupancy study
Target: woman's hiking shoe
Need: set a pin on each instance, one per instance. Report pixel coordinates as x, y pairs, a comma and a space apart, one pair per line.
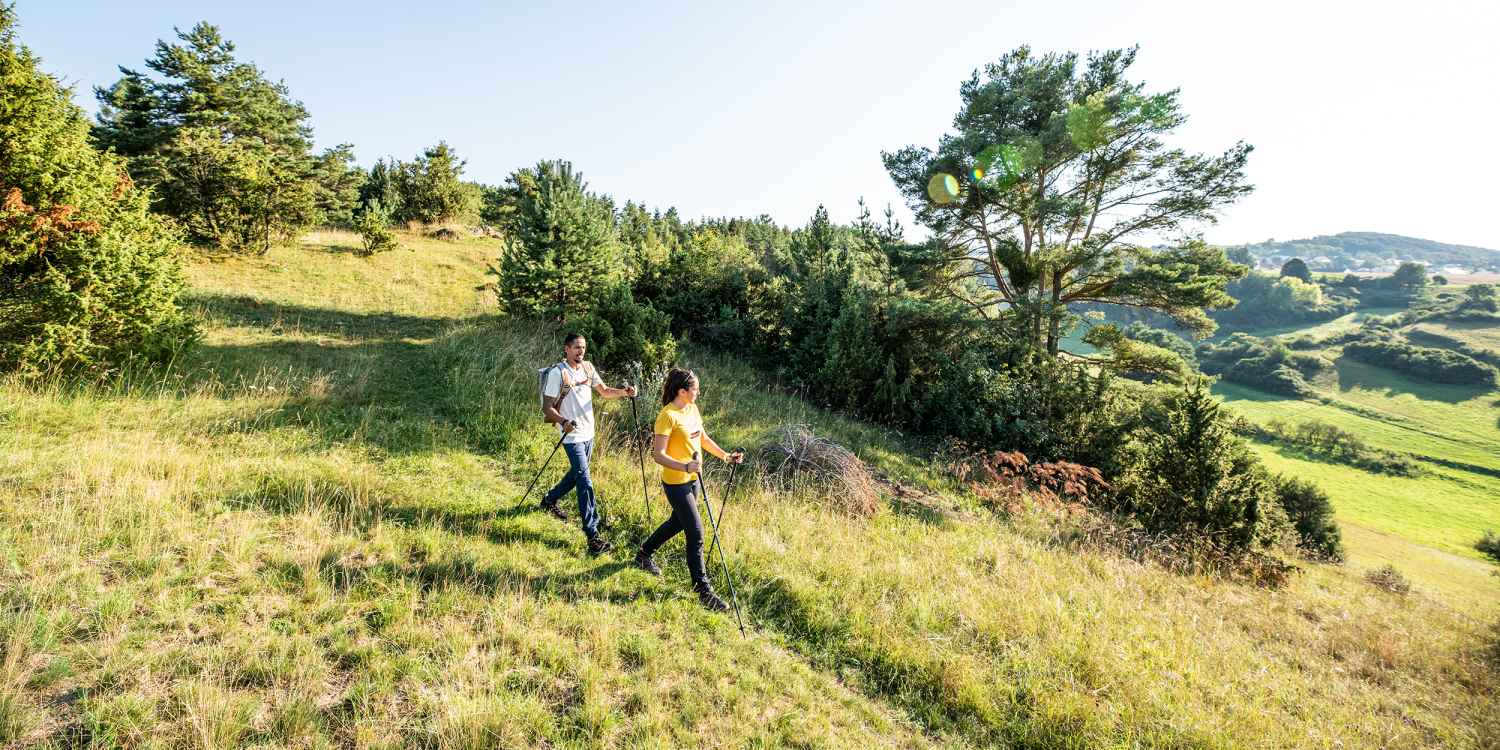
711, 601
644, 562
598, 545
555, 510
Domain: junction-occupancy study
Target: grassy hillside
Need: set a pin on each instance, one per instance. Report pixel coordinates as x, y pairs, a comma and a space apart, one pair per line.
307, 535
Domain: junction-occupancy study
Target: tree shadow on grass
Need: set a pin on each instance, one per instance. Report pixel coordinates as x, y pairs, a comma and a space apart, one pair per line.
377, 382
279, 317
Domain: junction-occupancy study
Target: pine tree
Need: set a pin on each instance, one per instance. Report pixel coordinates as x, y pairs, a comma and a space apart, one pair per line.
429, 186
87, 276
1197, 477
562, 255
225, 150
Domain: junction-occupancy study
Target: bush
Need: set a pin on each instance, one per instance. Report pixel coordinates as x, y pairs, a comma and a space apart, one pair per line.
374, 228
88, 278
1192, 476
1163, 338
1489, 544
1324, 440
1419, 362
623, 333
1265, 364
1311, 514
1387, 578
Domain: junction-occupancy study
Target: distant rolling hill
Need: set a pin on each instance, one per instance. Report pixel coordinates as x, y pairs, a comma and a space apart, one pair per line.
1373, 251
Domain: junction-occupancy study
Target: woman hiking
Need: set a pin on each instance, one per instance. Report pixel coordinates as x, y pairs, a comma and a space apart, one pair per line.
678, 438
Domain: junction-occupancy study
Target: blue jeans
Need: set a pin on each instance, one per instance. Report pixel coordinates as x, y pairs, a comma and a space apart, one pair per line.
578, 478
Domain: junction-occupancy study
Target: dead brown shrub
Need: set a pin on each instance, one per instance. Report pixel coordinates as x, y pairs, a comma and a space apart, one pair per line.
796, 460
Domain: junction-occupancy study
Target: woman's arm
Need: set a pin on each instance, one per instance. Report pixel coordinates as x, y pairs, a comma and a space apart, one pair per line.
712, 447
659, 454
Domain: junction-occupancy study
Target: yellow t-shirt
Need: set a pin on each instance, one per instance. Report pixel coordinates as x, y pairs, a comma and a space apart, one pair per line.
683, 429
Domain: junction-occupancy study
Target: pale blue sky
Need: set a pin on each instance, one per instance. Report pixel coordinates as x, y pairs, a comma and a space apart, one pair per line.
1365, 115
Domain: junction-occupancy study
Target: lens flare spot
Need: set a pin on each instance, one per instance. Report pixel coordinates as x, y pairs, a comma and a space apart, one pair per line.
942, 188
977, 173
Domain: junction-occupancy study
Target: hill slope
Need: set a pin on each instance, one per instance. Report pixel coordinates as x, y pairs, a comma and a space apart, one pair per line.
307, 535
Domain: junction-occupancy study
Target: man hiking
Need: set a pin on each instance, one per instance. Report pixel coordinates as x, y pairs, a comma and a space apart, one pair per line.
677, 440
569, 403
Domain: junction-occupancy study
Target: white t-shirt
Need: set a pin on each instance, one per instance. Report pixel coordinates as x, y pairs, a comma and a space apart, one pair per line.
578, 403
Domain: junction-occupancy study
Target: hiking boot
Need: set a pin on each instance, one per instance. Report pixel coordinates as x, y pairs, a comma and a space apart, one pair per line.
644, 562
554, 510
710, 600
598, 545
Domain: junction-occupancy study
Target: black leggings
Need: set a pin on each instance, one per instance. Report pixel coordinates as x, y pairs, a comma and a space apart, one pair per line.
684, 500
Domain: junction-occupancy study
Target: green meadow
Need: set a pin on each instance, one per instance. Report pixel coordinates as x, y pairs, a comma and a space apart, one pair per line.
307, 533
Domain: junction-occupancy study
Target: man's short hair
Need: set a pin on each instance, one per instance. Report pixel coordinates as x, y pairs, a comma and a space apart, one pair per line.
571, 337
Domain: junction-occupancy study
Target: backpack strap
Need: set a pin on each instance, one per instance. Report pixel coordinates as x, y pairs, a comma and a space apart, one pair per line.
565, 385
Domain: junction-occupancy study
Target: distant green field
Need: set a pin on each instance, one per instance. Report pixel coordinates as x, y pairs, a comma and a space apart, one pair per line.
1426, 526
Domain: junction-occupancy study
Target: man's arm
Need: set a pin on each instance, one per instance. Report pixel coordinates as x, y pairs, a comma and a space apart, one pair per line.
607, 392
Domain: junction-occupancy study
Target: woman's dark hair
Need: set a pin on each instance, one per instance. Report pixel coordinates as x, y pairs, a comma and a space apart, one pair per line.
677, 379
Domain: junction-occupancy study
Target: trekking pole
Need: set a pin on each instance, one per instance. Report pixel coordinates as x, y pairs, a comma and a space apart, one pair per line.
728, 575
641, 455
544, 467
728, 493
598, 496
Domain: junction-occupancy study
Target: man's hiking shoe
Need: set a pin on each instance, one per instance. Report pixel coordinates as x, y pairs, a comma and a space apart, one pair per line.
711, 601
644, 562
598, 545
555, 510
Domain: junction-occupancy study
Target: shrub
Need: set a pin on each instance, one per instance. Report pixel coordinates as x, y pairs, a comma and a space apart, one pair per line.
1192, 476
1420, 362
88, 278
374, 228
1387, 578
1311, 514
623, 333
1260, 363
1489, 544
795, 457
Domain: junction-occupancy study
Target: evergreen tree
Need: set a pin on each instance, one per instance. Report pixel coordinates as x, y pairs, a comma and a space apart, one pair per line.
1296, 268
87, 276
1057, 174
430, 189
1196, 477
561, 255
226, 151
380, 187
